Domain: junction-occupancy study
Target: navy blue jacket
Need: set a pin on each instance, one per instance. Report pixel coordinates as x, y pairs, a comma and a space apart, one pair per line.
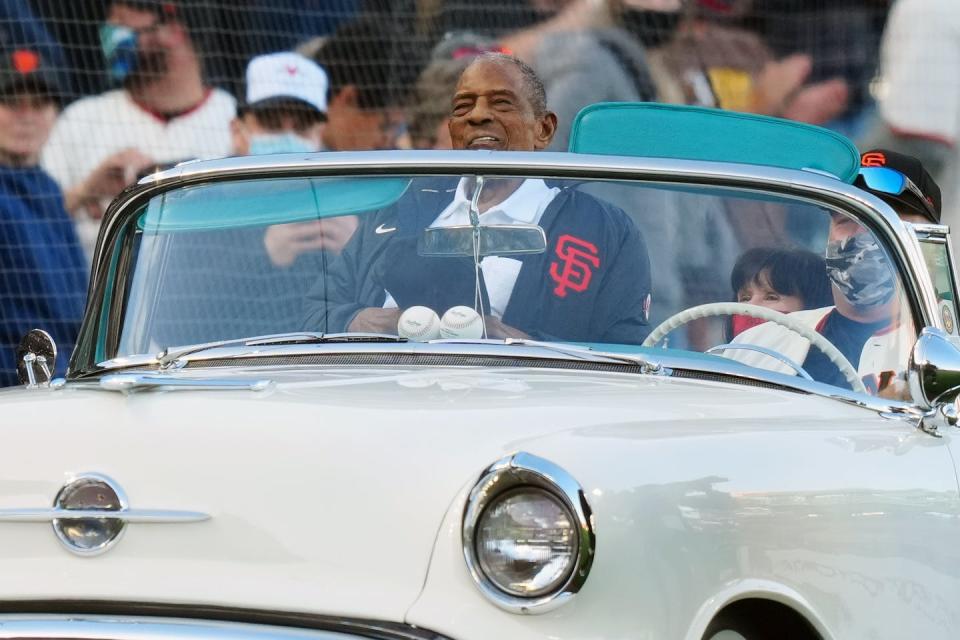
43, 272
592, 284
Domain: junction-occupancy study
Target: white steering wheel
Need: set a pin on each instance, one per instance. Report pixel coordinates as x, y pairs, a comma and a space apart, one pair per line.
740, 308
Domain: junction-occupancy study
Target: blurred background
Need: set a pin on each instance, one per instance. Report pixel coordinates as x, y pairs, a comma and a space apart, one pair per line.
94, 93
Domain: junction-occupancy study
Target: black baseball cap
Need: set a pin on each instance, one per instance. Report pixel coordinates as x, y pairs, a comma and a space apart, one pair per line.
913, 169
26, 70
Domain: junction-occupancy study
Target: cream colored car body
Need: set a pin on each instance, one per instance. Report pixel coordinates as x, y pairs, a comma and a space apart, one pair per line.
339, 492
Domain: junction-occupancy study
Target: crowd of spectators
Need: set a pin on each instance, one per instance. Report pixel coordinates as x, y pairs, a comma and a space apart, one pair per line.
94, 93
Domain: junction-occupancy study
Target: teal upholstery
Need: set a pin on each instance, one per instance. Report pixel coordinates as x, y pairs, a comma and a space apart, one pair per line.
697, 133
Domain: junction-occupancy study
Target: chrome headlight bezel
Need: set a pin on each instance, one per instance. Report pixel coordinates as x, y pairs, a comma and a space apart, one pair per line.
514, 472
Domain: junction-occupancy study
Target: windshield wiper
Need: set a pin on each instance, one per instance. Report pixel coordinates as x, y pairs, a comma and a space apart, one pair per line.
171, 355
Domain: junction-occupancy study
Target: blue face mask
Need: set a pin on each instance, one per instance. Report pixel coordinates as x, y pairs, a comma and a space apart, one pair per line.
287, 142
119, 46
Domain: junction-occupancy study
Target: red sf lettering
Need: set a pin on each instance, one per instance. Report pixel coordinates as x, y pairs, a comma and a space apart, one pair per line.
574, 269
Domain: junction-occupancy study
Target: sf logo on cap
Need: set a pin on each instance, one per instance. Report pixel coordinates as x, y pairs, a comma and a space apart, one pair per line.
873, 159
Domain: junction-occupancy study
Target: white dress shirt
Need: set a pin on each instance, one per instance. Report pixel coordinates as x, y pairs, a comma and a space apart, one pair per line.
524, 206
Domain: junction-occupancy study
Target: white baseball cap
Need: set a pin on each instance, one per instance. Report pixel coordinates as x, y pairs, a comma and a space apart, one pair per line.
286, 75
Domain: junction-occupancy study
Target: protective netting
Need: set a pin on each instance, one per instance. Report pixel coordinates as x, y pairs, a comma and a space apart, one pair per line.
146, 83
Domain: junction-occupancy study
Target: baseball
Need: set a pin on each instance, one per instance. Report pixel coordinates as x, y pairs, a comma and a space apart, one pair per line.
461, 322
419, 323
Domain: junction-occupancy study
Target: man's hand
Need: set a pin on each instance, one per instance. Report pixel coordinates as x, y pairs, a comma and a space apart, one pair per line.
108, 179
499, 331
285, 242
375, 320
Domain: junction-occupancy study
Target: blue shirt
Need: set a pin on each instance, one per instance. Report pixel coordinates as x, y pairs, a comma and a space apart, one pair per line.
43, 272
849, 336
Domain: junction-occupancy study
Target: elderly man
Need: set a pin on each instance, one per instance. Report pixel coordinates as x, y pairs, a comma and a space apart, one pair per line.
499, 104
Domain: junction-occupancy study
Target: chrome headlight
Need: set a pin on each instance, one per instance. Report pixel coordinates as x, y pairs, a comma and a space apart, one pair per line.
528, 534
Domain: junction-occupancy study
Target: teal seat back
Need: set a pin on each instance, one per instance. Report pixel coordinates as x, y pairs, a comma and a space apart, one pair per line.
697, 133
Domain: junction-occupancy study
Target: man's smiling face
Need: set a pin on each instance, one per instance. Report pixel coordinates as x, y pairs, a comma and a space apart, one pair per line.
492, 110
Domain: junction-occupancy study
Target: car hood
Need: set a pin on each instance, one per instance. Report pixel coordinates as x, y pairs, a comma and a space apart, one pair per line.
326, 490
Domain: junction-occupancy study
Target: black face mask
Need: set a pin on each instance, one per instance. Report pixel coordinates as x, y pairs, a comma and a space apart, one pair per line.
652, 28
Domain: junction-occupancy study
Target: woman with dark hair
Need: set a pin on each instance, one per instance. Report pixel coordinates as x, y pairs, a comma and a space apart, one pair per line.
781, 279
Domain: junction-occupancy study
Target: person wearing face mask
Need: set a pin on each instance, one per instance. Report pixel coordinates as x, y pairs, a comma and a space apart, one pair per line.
285, 111
865, 322
161, 112
285, 106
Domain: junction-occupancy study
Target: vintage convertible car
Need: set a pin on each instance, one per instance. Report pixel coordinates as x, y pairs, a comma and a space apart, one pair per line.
592, 449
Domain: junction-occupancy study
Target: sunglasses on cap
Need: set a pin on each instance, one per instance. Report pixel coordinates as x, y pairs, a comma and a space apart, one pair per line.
894, 183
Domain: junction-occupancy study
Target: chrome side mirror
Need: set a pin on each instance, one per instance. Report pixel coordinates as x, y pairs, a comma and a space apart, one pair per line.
36, 359
492, 240
934, 373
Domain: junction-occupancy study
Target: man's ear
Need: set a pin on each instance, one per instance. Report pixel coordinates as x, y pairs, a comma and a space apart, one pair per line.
546, 129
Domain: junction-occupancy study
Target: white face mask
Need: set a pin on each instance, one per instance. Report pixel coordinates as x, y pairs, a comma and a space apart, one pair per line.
287, 142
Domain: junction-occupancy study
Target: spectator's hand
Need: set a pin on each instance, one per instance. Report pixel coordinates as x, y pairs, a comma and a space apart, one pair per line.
108, 179
337, 232
285, 242
497, 330
779, 81
376, 320
818, 103
779, 91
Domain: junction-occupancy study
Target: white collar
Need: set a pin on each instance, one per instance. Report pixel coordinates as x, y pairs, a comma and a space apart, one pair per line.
524, 205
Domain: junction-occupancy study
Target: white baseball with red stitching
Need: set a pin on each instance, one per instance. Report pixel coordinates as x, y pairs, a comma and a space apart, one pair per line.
461, 322
419, 323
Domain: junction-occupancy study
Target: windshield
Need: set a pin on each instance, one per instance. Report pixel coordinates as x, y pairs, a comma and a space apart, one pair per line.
467, 257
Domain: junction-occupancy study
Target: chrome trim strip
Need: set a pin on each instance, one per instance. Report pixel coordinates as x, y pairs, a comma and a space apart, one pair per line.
141, 516
100, 627
524, 469
131, 381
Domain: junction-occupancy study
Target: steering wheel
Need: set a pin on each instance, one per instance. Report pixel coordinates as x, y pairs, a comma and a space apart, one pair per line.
740, 308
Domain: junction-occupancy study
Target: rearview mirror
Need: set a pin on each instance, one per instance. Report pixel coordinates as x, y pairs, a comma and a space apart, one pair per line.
492, 240
934, 373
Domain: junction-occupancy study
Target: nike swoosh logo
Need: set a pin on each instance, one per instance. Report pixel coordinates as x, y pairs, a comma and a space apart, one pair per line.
382, 230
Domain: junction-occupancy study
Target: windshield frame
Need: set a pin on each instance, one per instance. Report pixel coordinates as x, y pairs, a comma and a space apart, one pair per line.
870, 211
